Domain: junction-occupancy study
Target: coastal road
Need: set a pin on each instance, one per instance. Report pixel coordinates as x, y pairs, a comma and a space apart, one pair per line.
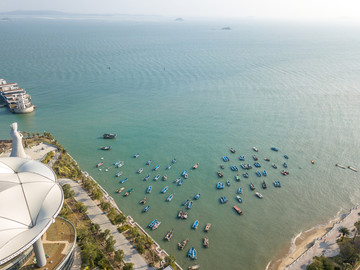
96, 216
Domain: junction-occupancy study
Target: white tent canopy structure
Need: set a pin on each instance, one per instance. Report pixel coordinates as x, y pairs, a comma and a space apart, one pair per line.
30, 199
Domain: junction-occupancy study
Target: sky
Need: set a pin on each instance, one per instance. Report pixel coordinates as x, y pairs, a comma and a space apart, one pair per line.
278, 9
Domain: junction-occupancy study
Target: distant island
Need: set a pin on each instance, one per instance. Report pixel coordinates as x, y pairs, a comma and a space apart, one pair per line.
226, 28
179, 19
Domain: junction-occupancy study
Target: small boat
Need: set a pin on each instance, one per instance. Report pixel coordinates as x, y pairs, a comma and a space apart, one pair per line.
164, 177
237, 209
228, 183
353, 169
259, 195
156, 167
119, 174
257, 165
220, 185
123, 181
258, 173
182, 214
239, 191
277, 184
180, 183
206, 242
274, 166
190, 204
222, 166
109, 135
285, 165
169, 235
207, 227
173, 161
128, 192
232, 150
99, 164
196, 166
195, 224
266, 159
274, 149
185, 202
255, 149
283, 172
177, 180
255, 157
149, 189
234, 168
252, 186
264, 173
194, 267
118, 162
264, 185
146, 209
171, 196
237, 178
313, 162
140, 170
152, 223
197, 196
157, 177
137, 155
146, 177
156, 225
246, 175
143, 201
340, 166
168, 167
226, 159
239, 198
120, 190
106, 148
182, 245
220, 174
183, 173
242, 157
164, 189
286, 157
192, 253
186, 176
223, 199
148, 162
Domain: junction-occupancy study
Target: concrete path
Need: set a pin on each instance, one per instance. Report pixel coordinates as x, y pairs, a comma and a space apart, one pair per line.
96, 216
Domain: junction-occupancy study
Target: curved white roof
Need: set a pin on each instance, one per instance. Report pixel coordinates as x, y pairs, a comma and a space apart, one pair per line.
30, 198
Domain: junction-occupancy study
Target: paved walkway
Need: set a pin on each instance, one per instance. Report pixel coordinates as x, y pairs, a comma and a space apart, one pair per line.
327, 245
96, 216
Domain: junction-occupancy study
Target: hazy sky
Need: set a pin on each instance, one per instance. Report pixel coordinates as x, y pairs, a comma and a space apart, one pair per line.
282, 9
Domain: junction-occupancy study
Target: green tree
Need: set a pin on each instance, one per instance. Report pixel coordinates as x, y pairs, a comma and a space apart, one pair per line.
344, 231
110, 244
133, 232
105, 205
68, 192
95, 228
170, 260
105, 234
128, 266
82, 208
97, 193
119, 255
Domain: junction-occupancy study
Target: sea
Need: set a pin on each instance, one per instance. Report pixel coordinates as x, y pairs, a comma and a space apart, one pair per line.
192, 90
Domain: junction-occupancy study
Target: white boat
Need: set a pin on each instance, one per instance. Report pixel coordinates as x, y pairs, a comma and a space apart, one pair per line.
259, 195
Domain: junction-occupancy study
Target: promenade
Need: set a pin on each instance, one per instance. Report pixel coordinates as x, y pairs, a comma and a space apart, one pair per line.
97, 216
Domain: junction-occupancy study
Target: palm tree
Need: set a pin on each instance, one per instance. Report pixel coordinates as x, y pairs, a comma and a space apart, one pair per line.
344, 231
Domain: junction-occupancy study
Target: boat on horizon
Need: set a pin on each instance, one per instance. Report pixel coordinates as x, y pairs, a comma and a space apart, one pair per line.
109, 135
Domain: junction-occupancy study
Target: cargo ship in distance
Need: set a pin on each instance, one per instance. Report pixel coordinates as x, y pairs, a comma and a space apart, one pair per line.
16, 98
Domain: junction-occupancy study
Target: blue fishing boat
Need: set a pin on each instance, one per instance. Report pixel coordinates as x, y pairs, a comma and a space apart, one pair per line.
183, 173
285, 165
177, 180
186, 202
257, 164
149, 189
274, 166
152, 223
137, 155
123, 181
117, 163
195, 225
171, 196
146, 177
223, 199
192, 253
264, 173
190, 204
146, 208
164, 189
226, 159
258, 173
274, 149
239, 191
156, 167
220, 185
239, 198
242, 157
157, 177
228, 182
197, 196
246, 175
109, 135
148, 162
156, 225
180, 183
173, 161
119, 174
285, 156
277, 184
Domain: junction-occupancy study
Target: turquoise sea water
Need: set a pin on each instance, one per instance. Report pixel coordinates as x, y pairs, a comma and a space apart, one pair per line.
191, 91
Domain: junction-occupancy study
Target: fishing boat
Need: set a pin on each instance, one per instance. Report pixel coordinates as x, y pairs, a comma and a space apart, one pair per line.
237, 209
157, 177
180, 183
106, 148
177, 180
264, 173
140, 170
182, 214
266, 159
226, 159
118, 162
274, 149
195, 166
164, 189
223, 199
99, 164
192, 253
352, 168
173, 161
277, 184
128, 192
185, 202
120, 190
220, 174
246, 175
152, 223
119, 174
164, 177
255, 149
148, 162
182, 245
195, 224
149, 189
258, 173
264, 185
283, 172
190, 204
285, 165
207, 227
183, 173
171, 196
234, 168
143, 201
259, 195
109, 135
194, 267
242, 157
237, 178
156, 225
255, 157
186, 176
228, 183
146, 177
197, 196
220, 185
137, 155
257, 165
156, 167
169, 235
123, 181
239, 191
232, 150
313, 162
239, 198
206, 242
168, 167
251, 186
146, 209
274, 166
286, 157
222, 166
